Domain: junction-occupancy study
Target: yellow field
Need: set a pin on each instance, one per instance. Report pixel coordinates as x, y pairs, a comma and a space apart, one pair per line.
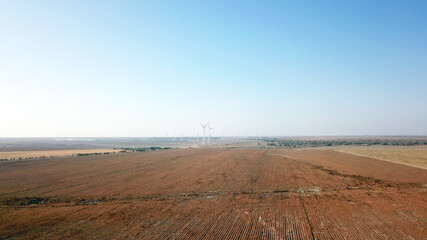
414, 156
51, 153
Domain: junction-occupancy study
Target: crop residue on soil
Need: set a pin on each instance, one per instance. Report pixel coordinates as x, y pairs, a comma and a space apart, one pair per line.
213, 193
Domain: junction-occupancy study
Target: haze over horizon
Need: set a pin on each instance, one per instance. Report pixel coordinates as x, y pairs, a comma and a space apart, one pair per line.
137, 69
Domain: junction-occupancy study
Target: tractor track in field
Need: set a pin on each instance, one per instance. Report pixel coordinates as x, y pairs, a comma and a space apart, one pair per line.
307, 217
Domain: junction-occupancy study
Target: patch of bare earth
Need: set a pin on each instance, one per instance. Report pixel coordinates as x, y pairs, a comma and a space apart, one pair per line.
213, 193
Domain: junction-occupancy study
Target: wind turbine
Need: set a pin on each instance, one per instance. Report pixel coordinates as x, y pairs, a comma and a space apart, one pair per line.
209, 139
204, 131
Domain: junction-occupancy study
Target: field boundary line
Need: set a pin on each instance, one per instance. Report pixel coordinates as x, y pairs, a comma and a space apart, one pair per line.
385, 160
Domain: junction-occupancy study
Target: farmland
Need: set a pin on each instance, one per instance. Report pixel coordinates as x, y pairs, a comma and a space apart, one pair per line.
13, 155
213, 193
416, 156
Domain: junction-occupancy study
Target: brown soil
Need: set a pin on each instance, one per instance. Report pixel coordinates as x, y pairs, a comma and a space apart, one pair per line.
213, 193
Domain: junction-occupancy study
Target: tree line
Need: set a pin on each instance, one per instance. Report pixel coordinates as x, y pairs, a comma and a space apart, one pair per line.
342, 142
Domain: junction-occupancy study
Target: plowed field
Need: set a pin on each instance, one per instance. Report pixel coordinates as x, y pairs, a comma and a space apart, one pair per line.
213, 194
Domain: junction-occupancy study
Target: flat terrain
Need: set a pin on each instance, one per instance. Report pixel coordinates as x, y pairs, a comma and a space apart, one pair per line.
416, 155
52, 153
213, 194
43, 144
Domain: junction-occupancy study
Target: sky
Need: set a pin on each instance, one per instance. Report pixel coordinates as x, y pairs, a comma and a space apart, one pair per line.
249, 68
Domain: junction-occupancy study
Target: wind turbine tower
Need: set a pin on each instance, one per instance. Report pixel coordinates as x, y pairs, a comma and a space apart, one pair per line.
209, 139
204, 131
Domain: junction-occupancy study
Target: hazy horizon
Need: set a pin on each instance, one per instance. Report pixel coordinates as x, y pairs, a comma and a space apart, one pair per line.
87, 138
157, 69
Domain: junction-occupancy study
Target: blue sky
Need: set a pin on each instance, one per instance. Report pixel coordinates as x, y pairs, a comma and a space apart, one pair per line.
157, 68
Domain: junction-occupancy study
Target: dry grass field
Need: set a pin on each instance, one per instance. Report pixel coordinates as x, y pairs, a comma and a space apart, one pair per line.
52, 153
416, 156
213, 194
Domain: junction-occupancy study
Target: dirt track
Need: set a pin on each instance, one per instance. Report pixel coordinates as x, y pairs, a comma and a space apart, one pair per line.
213, 193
